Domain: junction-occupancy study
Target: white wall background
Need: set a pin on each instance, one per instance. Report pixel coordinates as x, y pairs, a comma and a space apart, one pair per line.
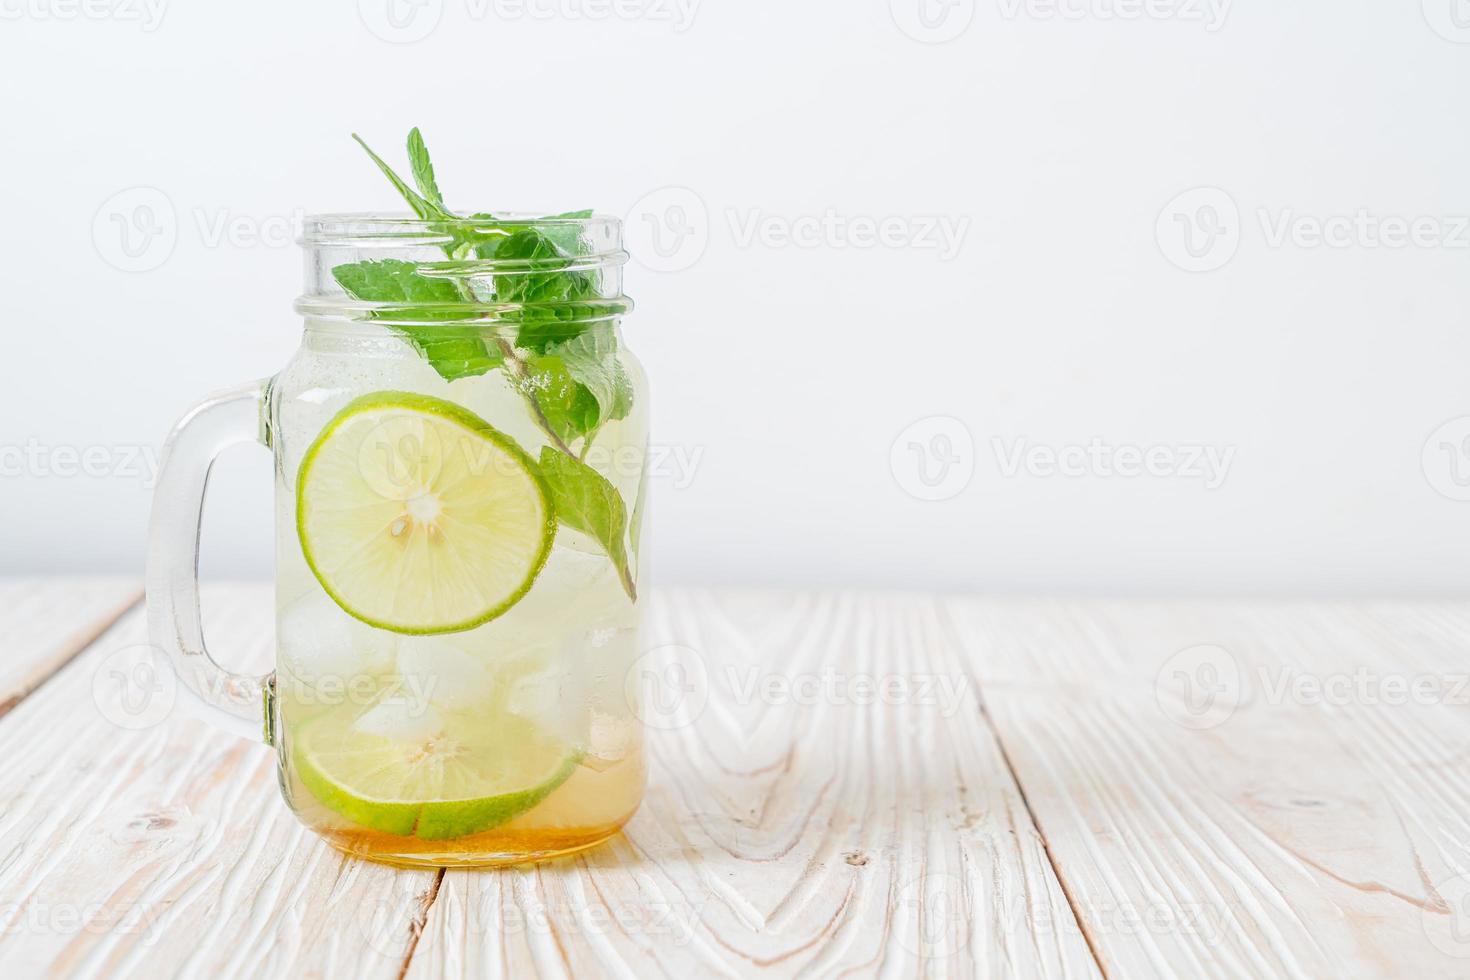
1063, 317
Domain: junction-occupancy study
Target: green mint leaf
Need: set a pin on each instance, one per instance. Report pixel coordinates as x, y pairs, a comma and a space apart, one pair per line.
545, 277
635, 528
426, 210
591, 358
453, 350
543, 327
554, 299
487, 241
423, 168
570, 409
585, 501
568, 238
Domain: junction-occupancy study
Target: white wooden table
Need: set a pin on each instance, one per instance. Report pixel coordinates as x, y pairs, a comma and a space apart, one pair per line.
1037, 788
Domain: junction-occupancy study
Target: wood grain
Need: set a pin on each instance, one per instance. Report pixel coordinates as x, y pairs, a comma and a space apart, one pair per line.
45, 621
1281, 830
166, 850
791, 835
1216, 789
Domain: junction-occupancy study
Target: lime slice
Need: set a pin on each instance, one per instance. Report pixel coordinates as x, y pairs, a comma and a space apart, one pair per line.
429, 774
417, 516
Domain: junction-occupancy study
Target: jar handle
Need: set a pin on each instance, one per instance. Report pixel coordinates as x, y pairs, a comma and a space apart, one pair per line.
238, 703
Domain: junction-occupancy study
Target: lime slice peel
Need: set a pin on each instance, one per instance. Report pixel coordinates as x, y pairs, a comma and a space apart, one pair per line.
419, 517
466, 777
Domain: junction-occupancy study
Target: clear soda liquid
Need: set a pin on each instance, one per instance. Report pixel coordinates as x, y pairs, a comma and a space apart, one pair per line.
557, 660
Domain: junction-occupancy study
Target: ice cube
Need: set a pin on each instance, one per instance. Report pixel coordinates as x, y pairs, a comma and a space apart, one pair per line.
439, 669
609, 741
318, 641
551, 694
577, 588
400, 720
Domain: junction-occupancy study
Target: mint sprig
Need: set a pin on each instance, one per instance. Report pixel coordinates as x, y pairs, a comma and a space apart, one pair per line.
426, 210
564, 360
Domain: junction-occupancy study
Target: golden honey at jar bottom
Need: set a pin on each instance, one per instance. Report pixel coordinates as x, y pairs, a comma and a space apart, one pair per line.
559, 825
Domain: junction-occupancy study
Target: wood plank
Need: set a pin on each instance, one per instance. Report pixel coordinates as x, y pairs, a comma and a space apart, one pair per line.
45, 621
782, 838
1271, 831
167, 850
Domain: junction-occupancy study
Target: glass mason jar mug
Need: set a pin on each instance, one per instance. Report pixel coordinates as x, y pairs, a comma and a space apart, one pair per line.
459, 448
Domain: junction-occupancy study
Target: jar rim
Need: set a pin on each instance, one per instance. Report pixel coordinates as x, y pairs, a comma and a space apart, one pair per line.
399, 228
